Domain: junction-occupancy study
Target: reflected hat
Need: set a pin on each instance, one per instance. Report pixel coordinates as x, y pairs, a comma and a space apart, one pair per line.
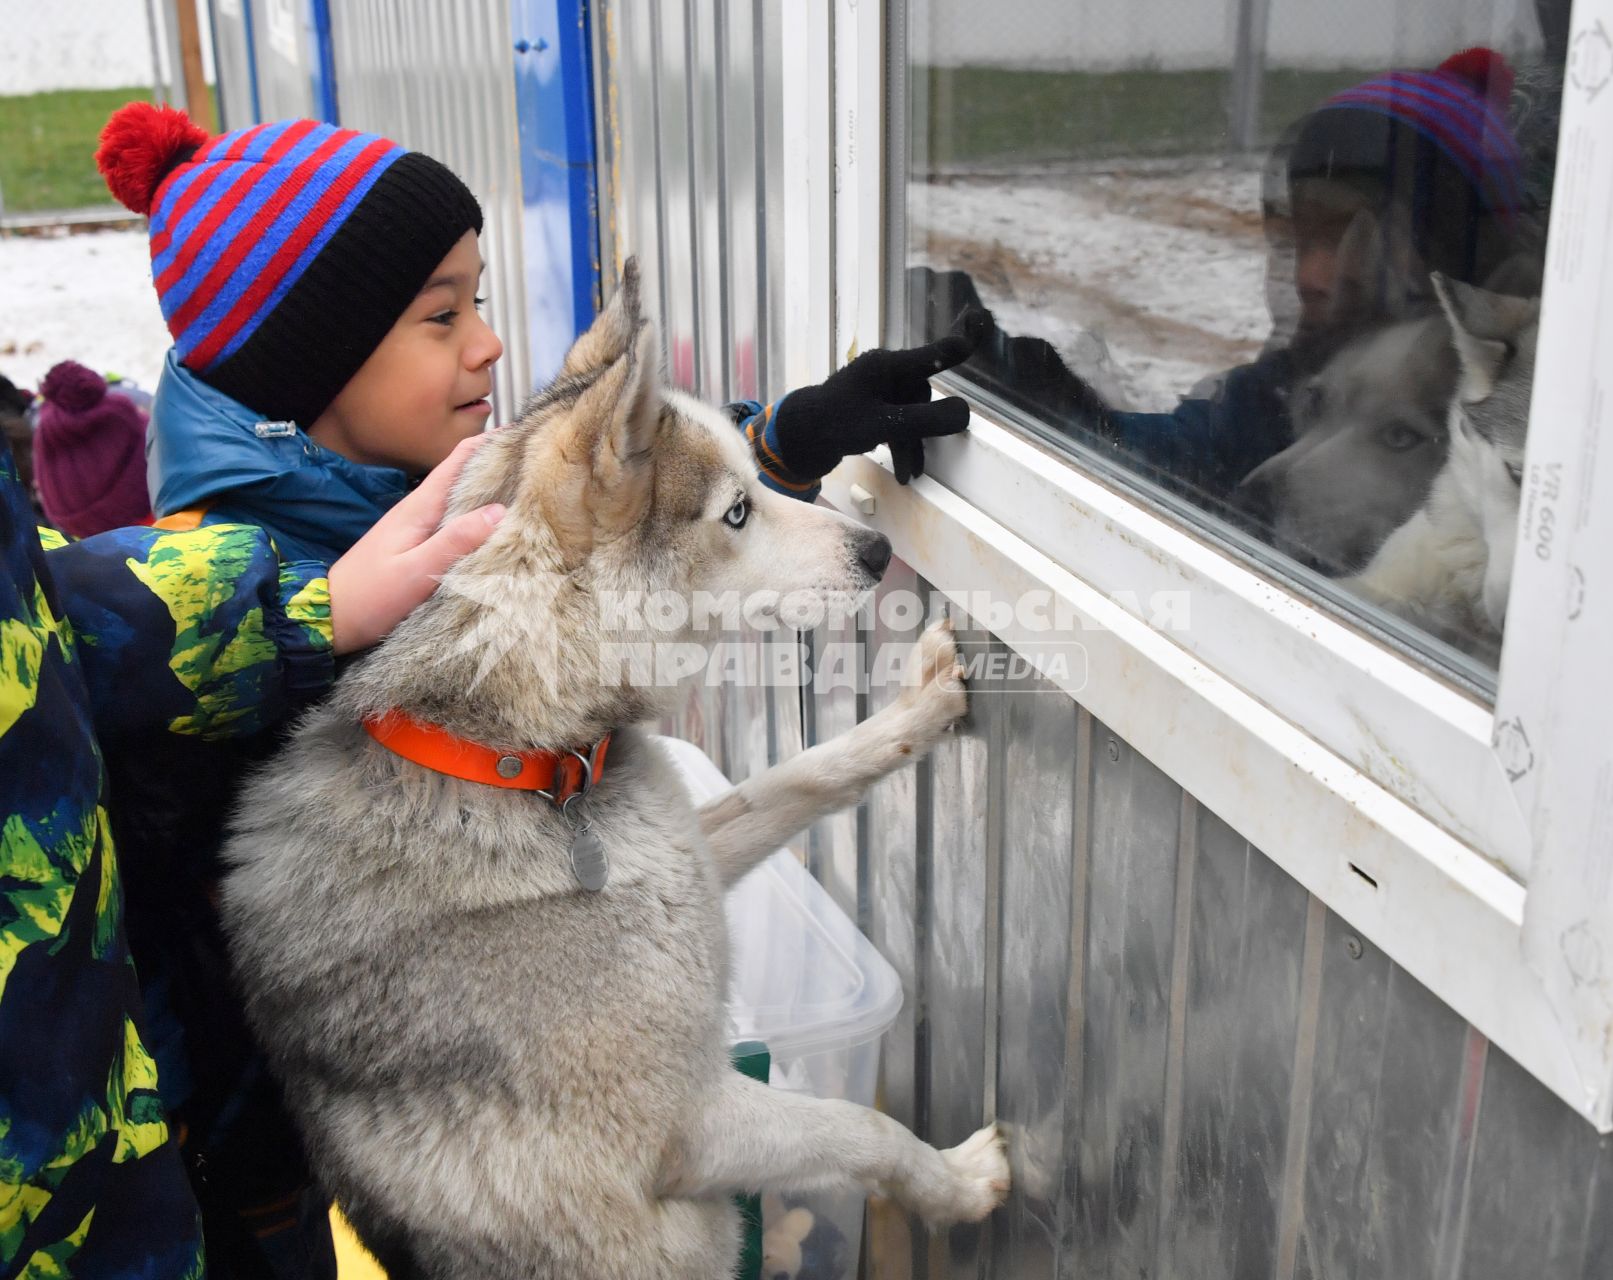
283, 253
1439, 127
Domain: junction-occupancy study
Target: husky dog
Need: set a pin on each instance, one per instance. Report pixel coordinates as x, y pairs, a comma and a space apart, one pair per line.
1371, 436
500, 1071
1369, 426
1449, 567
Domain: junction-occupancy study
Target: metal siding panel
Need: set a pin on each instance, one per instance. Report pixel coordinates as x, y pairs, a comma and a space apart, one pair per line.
1038, 822
232, 57
774, 334
640, 158
837, 702
708, 195
1246, 938
1349, 1046
1385, 1103
1599, 1217
1131, 902
445, 84
1072, 1237
741, 205
951, 1031
285, 62
894, 854
747, 708
786, 733
1418, 1113
679, 308
1530, 1203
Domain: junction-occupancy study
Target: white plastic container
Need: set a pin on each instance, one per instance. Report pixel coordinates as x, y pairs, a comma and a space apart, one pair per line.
809, 986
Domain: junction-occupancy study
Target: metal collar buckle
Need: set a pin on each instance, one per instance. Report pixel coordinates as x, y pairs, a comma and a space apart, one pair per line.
582, 771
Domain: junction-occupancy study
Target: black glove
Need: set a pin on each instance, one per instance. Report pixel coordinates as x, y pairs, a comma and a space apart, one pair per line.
881, 397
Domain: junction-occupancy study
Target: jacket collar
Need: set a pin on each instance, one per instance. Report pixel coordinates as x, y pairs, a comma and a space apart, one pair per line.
203, 448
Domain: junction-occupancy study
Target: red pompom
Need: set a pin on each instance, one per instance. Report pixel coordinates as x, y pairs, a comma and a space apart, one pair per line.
140, 145
1485, 69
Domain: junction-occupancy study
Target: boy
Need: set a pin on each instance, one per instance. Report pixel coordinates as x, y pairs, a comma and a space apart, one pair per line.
320, 285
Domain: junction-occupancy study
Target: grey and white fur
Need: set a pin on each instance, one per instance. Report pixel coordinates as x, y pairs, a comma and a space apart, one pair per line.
498, 1073
1449, 567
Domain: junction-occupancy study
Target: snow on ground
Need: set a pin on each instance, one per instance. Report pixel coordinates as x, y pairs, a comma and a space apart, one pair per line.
85, 297
1167, 268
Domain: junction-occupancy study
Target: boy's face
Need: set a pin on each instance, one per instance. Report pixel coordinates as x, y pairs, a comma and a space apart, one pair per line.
425, 387
1322, 212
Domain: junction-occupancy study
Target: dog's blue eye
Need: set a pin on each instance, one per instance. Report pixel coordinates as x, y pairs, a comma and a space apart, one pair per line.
737, 514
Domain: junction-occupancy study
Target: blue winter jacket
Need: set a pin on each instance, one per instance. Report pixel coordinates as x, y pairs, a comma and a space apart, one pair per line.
205, 449
1209, 445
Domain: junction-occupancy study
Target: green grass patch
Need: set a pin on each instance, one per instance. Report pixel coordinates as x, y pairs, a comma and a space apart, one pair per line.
988, 115
48, 161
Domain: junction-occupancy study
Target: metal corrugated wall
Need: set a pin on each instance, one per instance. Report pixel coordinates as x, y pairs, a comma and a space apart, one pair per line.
1204, 1071
440, 78
233, 54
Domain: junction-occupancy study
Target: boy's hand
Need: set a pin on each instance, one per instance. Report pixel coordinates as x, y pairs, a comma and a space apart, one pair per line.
399, 562
881, 397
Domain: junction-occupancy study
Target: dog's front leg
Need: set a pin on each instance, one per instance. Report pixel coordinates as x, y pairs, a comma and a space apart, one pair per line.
756, 817
753, 1138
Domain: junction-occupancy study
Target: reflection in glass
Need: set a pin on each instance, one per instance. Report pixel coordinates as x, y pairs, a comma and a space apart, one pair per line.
1293, 281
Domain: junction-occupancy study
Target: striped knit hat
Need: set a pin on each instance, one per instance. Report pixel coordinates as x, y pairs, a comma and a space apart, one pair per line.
283, 253
1437, 140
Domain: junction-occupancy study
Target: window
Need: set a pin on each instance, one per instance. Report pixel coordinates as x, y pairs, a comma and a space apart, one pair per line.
1275, 269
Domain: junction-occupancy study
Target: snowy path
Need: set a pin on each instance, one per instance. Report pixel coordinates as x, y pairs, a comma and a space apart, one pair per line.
1167, 268
84, 297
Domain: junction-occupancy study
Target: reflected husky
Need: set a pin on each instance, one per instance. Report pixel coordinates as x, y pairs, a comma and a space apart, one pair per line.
1369, 428
499, 1072
1450, 566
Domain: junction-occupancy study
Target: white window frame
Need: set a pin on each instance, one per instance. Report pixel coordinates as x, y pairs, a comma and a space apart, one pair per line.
1367, 777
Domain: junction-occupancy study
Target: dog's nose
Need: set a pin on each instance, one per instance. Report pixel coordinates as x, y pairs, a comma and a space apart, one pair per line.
875, 554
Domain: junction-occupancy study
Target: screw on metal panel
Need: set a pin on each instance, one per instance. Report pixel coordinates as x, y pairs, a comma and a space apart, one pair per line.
1354, 948
1114, 749
523, 45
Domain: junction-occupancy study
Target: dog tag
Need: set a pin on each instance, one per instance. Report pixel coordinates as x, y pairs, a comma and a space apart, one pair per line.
588, 861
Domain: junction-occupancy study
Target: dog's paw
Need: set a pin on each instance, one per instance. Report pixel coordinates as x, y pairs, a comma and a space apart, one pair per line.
964, 1183
933, 689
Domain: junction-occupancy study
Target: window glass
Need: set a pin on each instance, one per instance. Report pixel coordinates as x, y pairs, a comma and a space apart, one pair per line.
1278, 261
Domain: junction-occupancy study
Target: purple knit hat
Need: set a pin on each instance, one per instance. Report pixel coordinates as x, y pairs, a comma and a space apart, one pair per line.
1437, 142
89, 454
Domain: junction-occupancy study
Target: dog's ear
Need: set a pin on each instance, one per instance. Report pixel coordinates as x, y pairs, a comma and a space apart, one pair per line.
588, 472
1519, 275
624, 408
1484, 326
1379, 274
611, 333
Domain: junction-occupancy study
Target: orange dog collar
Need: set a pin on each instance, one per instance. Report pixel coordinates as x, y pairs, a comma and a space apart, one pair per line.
555, 775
